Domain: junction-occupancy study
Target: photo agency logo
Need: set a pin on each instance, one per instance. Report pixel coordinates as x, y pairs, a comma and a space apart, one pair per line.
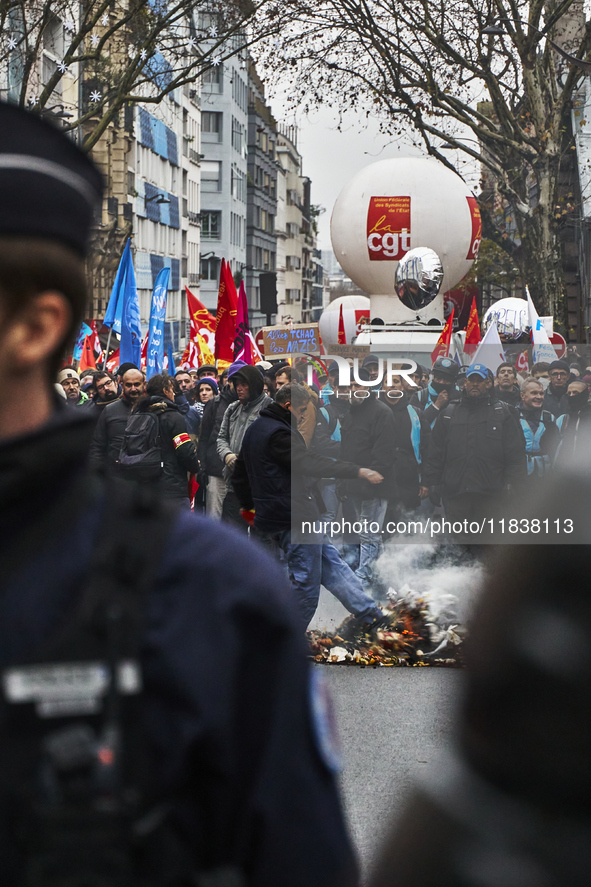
385, 378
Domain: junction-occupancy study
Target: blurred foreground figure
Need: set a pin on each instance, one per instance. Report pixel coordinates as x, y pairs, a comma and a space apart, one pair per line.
158, 722
510, 804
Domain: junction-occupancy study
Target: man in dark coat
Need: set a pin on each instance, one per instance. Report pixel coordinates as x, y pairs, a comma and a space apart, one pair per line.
230, 740
506, 387
274, 476
207, 450
110, 428
179, 453
555, 396
574, 425
368, 438
477, 451
412, 434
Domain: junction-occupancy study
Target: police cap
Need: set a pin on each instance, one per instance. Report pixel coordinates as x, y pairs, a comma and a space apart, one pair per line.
48, 187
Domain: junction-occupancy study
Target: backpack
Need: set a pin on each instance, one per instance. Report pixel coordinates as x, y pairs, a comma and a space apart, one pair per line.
74, 777
140, 457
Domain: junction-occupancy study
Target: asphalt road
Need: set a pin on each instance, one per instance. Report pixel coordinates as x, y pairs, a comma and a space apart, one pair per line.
392, 722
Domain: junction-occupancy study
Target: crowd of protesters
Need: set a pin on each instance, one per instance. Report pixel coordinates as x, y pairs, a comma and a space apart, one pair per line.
260, 448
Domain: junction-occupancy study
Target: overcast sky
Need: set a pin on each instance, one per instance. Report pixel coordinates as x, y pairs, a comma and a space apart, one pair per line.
331, 158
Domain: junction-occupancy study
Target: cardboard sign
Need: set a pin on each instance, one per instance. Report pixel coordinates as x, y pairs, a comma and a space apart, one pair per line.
347, 351
283, 341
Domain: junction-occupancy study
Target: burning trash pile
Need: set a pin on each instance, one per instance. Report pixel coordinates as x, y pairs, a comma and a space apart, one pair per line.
407, 635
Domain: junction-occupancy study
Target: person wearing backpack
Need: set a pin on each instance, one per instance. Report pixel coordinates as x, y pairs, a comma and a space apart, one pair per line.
477, 451
542, 435
156, 446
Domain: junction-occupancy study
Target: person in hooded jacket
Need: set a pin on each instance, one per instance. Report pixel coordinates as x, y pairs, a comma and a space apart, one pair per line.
179, 454
210, 463
574, 425
251, 399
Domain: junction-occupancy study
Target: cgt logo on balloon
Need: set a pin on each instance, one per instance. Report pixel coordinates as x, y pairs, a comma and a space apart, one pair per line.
388, 228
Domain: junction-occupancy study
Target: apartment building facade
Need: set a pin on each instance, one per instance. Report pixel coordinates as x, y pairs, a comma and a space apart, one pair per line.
261, 236
224, 133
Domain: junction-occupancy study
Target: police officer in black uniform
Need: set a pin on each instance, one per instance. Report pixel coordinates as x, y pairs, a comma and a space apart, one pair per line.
159, 724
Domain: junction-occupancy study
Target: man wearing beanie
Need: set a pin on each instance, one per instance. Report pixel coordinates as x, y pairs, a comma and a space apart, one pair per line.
70, 381
122, 727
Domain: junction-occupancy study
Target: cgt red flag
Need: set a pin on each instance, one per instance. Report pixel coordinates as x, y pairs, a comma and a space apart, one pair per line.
342, 336
87, 358
225, 321
444, 341
473, 337
200, 318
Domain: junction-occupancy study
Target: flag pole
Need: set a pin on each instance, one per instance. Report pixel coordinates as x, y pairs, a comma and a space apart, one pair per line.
107, 348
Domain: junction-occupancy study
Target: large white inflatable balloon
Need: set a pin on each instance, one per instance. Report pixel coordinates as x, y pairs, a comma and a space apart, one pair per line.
393, 206
355, 313
511, 317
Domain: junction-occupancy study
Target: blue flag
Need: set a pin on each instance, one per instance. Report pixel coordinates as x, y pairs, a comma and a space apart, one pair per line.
82, 334
155, 353
130, 347
116, 302
171, 366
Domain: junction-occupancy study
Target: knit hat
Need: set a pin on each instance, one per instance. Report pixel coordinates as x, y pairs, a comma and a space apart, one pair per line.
207, 380
234, 367
67, 374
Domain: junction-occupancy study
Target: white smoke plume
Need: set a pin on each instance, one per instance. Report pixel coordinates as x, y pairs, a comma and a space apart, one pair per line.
447, 577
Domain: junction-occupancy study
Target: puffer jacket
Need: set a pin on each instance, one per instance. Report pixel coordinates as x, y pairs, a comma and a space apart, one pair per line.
179, 453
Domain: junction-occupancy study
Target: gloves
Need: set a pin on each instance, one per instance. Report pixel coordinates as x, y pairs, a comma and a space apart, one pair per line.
247, 515
230, 460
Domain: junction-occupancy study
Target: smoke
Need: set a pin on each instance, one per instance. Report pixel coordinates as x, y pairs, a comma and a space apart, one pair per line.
447, 577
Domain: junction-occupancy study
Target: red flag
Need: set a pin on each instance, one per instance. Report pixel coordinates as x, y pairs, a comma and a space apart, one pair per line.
522, 363
225, 321
342, 338
444, 341
473, 337
87, 358
113, 361
242, 341
199, 315
144, 352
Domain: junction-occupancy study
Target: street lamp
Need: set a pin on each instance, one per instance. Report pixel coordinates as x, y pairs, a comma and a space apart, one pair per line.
159, 198
495, 30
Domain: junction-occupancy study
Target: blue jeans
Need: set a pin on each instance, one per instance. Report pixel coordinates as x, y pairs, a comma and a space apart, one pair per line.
367, 512
310, 566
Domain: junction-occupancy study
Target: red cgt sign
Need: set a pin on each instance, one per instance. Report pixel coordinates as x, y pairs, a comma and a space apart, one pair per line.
388, 228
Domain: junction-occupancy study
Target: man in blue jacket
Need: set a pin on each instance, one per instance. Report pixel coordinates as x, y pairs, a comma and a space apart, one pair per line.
156, 724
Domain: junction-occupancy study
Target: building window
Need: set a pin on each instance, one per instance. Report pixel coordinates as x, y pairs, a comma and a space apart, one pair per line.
236, 135
211, 126
213, 79
210, 269
211, 175
292, 295
211, 225
293, 263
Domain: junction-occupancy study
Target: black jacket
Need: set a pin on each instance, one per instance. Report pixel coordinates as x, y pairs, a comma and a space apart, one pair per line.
408, 471
292, 496
575, 442
477, 446
208, 680
322, 441
557, 404
211, 422
179, 453
108, 434
369, 440
511, 398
